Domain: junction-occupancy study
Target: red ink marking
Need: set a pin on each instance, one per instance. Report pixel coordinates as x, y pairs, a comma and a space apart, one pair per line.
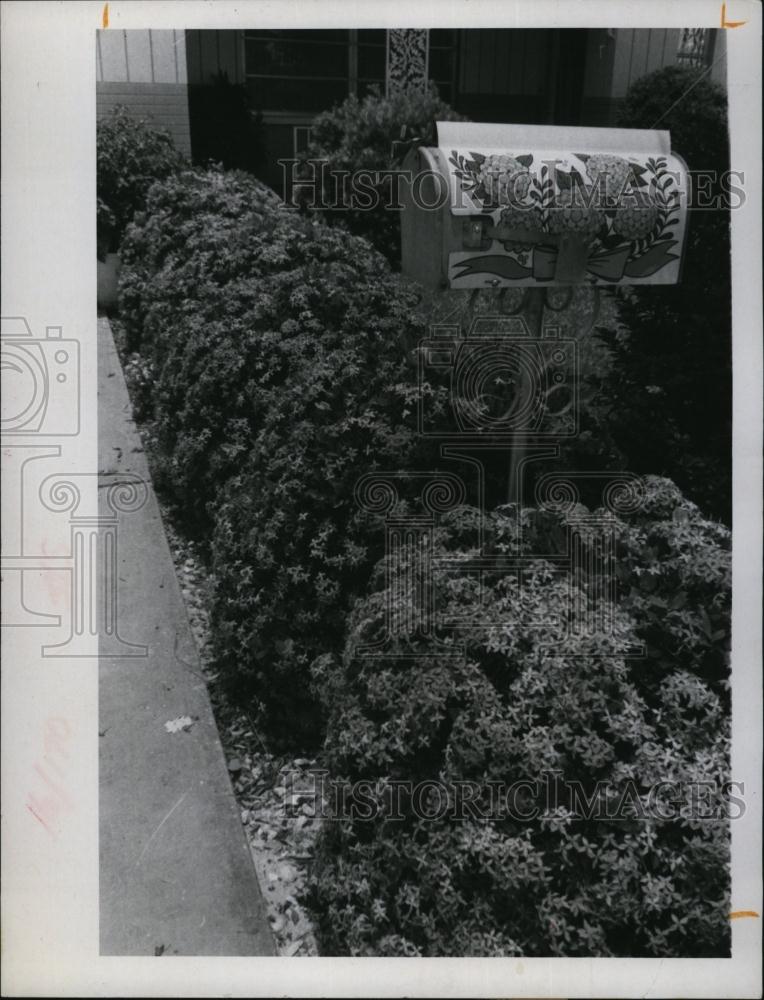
48, 805
40, 819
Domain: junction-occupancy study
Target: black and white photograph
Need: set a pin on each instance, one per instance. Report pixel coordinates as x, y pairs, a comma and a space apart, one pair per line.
391, 497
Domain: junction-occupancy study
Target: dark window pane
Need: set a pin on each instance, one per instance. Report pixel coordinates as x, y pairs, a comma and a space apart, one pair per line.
310, 35
279, 58
366, 37
441, 62
296, 95
442, 36
371, 63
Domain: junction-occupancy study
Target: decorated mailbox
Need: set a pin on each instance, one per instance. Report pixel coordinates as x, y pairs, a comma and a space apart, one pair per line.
506, 205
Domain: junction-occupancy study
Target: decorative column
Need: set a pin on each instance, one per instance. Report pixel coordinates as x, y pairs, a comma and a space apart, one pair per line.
407, 59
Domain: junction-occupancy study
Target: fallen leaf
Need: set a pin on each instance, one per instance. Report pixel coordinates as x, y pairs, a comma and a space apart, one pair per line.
179, 724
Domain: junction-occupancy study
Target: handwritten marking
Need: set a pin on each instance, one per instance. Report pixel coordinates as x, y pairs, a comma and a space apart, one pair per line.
105, 18
40, 820
725, 22
47, 804
736, 914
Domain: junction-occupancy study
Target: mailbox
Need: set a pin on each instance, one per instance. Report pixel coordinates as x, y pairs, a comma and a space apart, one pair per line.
507, 205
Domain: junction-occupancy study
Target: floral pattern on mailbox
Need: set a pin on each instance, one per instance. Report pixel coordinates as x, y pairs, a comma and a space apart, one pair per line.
546, 218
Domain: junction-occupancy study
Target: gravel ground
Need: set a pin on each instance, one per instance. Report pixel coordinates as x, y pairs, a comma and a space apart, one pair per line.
277, 796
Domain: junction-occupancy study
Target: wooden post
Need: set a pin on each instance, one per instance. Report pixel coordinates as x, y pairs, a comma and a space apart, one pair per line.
533, 315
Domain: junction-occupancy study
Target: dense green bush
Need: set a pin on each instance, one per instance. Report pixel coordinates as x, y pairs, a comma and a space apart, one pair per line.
525, 701
318, 393
191, 241
131, 154
280, 350
673, 372
360, 136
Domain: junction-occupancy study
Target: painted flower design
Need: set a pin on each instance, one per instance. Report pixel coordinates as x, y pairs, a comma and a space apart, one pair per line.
572, 212
609, 169
521, 218
505, 180
635, 221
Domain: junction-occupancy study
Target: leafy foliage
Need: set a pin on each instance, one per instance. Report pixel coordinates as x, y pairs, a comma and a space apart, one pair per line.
191, 240
522, 702
280, 353
673, 370
319, 404
131, 155
359, 136
277, 358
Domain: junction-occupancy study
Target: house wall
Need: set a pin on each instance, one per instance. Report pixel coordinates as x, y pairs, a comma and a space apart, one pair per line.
211, 53
617, 58
145, 70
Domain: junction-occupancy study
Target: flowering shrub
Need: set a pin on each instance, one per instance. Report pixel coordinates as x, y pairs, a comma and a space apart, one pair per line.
547, 706
359, 136
131, 155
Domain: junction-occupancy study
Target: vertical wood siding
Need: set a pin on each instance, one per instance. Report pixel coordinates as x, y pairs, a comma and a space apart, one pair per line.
141, 56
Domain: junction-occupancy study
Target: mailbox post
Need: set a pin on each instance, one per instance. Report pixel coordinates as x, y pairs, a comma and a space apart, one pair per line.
494, 207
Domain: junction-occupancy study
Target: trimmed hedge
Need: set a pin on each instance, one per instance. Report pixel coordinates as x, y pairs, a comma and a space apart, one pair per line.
188, 244
281, 355
515, 708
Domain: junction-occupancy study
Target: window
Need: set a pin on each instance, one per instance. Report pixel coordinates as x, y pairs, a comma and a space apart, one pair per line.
307, 71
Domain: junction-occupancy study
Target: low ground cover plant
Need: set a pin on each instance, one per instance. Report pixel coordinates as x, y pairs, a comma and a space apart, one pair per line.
547, 706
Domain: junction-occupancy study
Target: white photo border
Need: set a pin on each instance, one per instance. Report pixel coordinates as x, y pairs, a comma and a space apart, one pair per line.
50, 886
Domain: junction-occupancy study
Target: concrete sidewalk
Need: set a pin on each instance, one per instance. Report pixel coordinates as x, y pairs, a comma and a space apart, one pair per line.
176, 875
